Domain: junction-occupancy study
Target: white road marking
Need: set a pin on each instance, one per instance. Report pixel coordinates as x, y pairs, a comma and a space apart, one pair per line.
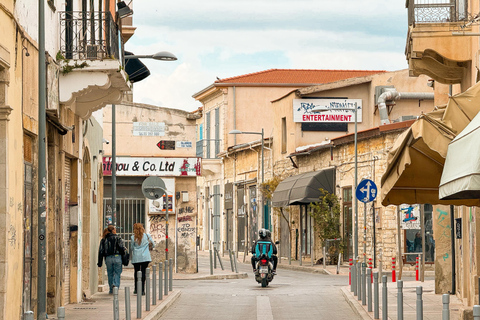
264, 310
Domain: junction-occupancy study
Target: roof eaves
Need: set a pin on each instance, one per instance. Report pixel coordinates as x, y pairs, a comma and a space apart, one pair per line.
334, 85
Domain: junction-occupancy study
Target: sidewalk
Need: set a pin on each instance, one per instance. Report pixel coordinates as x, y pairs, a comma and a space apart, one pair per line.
100, 305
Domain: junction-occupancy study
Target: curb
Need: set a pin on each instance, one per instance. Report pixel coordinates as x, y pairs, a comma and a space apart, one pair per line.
160, 309
304, 269
218, 277
351, 300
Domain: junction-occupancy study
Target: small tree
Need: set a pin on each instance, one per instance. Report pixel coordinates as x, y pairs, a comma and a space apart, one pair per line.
326, 216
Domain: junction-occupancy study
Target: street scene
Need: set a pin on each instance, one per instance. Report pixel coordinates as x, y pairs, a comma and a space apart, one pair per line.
256, 159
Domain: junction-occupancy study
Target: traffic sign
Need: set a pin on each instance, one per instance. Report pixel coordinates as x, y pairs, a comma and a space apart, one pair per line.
366, 191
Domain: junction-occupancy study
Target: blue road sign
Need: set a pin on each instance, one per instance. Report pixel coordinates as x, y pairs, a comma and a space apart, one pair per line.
366, 191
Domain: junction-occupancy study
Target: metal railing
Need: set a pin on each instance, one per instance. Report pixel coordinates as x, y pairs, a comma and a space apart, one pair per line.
89, 35
436, 11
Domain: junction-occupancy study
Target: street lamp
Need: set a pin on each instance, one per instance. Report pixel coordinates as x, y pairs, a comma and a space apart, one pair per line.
263, 168
163, 56
355, 227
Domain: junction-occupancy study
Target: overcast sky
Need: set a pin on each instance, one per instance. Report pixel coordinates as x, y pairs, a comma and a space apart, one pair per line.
222, 38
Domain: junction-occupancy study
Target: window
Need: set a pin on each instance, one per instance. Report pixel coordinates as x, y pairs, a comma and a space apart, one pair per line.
413, 239
284, 135
347, 219
207, 133
217, 131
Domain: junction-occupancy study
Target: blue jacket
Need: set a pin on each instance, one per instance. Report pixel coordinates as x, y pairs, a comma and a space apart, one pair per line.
140, 252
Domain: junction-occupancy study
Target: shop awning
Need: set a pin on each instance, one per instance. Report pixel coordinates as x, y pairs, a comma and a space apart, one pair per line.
304, 188
415, 163
461, 173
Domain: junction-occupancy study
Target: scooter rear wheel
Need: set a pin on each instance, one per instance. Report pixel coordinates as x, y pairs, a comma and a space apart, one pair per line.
264, 282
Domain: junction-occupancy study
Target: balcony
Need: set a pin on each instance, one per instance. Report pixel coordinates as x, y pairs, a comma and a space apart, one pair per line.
91, 63
431, 47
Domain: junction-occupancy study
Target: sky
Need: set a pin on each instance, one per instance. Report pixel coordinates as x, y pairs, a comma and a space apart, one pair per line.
225, 38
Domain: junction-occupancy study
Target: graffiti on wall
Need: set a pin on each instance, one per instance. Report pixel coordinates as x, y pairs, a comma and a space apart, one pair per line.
444, 223
157, 227
186, 226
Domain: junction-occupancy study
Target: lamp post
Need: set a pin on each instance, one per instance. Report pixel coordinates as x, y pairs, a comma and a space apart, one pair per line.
355, 226
263, 167
163, 56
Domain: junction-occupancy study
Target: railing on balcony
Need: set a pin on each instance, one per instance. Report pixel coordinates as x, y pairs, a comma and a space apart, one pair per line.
436, 11
89, 35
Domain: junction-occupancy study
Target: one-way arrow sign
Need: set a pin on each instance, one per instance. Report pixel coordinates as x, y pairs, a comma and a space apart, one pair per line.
366, 191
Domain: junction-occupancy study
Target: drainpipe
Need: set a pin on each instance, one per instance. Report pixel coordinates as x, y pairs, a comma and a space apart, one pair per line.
452, 236
392, 94
234, 114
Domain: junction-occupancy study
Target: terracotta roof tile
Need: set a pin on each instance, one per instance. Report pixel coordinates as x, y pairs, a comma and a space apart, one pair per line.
298, 76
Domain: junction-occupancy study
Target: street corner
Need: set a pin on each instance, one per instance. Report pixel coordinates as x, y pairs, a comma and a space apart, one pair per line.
166, 303
354, 303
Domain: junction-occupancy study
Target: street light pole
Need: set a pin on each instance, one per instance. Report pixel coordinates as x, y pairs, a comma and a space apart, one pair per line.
263, 166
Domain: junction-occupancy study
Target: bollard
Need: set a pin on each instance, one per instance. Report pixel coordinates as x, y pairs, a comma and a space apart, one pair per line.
160, 285
235, 261
376, 307
29, 315
166, 279
416, 269
446, 306
370, 266
154, 284
147, 289
380, 272
384, 298
60, 313
476, 312
354, 278
359, 281
128, 310
400, 300
364, 284
338, 262
324, 258
116, 311
139, 294
211, 262
394, 276
369, 289
231, 259
350, 263
171, 273
419, 303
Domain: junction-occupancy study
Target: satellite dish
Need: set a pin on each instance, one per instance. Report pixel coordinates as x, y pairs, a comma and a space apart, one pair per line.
153, 188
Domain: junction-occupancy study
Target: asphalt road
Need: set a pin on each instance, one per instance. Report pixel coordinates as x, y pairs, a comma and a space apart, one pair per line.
291, 295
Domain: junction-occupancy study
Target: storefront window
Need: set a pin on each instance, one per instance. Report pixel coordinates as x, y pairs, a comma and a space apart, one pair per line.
413, 237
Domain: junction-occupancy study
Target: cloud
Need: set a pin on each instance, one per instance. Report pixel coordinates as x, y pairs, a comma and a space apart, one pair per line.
225, 38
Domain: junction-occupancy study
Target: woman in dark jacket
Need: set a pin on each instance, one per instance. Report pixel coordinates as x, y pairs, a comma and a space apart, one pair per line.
112, 248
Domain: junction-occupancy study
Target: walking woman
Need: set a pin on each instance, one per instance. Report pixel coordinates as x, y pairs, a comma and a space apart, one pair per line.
140, 253
112, 248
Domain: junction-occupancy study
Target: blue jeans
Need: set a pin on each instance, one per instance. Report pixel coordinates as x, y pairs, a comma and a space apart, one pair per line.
114, 270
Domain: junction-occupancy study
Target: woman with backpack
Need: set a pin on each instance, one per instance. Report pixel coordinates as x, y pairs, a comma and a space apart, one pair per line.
112, 249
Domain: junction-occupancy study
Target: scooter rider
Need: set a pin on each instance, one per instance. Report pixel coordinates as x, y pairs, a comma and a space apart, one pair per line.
265, 236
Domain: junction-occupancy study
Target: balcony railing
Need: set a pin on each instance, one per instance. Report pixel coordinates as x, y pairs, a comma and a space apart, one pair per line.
88, 35
436, 11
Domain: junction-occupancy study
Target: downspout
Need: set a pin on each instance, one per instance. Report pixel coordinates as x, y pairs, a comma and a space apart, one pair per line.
234, 114
392, 94
452, 239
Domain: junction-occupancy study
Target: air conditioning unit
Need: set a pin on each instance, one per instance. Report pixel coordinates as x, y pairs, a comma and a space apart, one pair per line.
405, 118
92, 52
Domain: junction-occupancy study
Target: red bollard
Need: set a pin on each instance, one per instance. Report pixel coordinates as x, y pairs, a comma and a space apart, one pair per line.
350, 264
416, 270
394, 278
370, 265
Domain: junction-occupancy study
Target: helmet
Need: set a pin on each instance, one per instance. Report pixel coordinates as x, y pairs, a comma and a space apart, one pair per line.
269, 234
262, 233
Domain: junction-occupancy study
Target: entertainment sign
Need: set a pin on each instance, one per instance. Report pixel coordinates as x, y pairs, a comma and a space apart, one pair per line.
131, 166
335, 110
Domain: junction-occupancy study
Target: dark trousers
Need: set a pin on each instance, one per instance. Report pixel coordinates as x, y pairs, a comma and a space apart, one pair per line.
141, 266
274, 259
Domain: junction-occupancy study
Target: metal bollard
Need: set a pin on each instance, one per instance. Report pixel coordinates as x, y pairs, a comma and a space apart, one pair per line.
154, 284
171, 274
235, 261
359, 281
376, 307
166, 279
364, 284
29, 315
116, 310
354, 278
231, 259
350, 264
400, 300
384, 298
446, 306
60, 313
211, 263
369, 289
476, 312
147, 289
419, 303
160, 284
139, 294
128, 310
324, 258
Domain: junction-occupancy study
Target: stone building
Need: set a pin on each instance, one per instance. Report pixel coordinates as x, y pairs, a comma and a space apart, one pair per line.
154, 141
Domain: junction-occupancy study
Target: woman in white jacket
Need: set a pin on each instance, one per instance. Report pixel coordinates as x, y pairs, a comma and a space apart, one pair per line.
140, 254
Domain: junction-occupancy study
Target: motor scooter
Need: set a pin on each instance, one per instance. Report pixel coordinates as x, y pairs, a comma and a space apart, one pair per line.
264, 273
